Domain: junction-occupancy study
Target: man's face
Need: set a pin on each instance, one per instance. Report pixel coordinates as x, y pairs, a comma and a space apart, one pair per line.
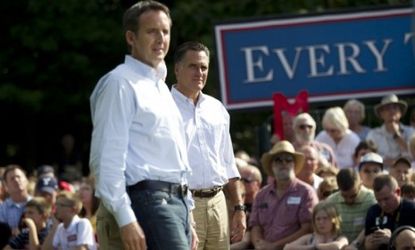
368, 173
401, 172
151, 42
192, 72
390, 113
16, 181
304, 132
350, 195
252, 186
388, 199
283, 166
311, 161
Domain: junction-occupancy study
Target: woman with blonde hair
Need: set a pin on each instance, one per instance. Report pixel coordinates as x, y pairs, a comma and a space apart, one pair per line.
326, 226
338, 136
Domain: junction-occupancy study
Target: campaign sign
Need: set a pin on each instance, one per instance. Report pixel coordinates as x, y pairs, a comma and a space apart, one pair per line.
332, 56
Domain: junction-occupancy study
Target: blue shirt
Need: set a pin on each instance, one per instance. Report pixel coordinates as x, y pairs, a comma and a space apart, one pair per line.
137, 135
11, 212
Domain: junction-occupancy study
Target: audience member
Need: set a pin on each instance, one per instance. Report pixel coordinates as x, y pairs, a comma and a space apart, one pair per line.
282, 210
35, 219
90, 202
401, 170
412, 150
325, 172
12, 208
355, 113
69, 160
326, 226
311, 160
403, 238
47, 187
251, 178
304, 127
352, 202
6, 234
45, 170
361, 149
388, 214
338, 136
371, 165
408, 191
327, 187
392, 137
72, 232
3, 192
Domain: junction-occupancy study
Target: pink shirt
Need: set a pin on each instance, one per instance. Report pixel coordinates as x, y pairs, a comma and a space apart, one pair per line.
282, 217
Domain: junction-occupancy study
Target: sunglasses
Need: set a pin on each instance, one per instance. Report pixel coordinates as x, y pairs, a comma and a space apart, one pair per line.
284, 159
304, 126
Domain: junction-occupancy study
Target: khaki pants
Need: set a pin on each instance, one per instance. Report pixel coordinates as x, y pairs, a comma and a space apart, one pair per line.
108, 232
212, 223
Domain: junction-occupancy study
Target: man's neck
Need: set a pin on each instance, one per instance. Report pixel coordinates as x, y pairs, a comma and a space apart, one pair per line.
19, 197
189, 94
283, 185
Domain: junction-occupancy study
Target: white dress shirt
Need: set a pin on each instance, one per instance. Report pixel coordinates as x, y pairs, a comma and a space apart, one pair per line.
137, 135
343, 150
209, 144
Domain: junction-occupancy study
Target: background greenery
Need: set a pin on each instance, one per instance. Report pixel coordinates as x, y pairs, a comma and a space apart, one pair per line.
54, 51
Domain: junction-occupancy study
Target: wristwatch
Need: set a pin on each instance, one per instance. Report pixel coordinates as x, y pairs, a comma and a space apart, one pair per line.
240, 207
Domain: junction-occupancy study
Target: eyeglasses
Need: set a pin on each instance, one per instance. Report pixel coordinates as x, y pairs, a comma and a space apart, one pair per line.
304, 126
284, 159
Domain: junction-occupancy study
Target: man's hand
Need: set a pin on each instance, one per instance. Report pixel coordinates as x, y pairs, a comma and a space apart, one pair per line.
195, 239
133, 237
380, 236
238, 226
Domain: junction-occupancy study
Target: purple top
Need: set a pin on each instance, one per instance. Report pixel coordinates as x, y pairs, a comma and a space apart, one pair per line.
281, 217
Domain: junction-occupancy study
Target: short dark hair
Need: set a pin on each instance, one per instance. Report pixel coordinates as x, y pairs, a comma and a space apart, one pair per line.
347, 179
384, 180
190, 45
408, 188
365, 145
10, 168
131, 18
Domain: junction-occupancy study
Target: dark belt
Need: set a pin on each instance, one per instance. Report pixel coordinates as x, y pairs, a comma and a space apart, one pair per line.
206, 193
168, 187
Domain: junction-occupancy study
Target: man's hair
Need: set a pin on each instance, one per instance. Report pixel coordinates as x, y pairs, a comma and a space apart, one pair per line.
347, 179
191, 45
10, 168
131, 18
40, 204
369, 145
384, 180
408, 189
73, 199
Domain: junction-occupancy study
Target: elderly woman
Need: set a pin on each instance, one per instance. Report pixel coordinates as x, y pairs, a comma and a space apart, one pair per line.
304, 127
338, 136
326, 225
355, 113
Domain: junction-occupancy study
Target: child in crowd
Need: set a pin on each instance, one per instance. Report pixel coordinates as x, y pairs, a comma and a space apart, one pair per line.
35, 217
73, 232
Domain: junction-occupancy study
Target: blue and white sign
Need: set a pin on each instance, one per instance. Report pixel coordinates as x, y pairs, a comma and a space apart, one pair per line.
332, 56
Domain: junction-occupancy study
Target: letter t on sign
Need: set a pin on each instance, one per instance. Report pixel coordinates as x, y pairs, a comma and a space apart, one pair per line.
281, 104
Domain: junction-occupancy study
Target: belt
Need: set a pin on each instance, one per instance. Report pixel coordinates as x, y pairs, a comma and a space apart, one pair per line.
168, 187
206, 193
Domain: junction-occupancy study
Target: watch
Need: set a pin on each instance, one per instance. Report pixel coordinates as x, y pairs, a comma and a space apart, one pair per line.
240, 207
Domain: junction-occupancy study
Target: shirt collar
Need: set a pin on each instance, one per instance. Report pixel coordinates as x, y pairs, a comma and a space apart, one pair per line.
158, 73
186, 99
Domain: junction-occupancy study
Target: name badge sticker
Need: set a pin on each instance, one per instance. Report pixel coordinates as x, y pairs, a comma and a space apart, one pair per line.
293, 200
358, 221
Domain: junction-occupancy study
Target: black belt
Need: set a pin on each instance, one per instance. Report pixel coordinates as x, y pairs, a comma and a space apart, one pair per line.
168, 187
206, 193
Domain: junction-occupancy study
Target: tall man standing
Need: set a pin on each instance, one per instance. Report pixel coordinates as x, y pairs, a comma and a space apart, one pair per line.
138, 150
210, 150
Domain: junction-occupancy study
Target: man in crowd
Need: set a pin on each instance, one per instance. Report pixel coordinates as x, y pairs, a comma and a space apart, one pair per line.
138, 148
403, 238
311, 160
390, 212
370, 166
352, 202
210, 152
12, 208
401, 170
282, 210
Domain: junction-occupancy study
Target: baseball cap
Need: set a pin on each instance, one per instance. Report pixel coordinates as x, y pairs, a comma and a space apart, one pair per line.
371, 157
47, 184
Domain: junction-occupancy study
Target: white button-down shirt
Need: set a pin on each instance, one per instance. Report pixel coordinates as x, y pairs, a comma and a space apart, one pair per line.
137, 135
209, 144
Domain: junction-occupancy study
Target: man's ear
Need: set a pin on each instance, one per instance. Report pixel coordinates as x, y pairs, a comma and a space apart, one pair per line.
130, 37
398, 191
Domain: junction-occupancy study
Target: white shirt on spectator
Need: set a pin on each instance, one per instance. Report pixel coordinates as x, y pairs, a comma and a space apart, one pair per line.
78, 233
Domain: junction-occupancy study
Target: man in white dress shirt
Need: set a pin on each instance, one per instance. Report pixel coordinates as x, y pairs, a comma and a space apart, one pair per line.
210, 151
138, 149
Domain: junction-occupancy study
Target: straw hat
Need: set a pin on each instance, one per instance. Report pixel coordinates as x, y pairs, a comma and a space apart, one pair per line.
282, 147
391, 99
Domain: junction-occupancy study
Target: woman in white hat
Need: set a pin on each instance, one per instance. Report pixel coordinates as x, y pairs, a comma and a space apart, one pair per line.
392, 137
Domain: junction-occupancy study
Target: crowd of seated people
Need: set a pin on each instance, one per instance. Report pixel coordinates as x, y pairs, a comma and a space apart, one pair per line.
351, 187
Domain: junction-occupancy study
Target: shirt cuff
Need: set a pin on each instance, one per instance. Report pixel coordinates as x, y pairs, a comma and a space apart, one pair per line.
125, 216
